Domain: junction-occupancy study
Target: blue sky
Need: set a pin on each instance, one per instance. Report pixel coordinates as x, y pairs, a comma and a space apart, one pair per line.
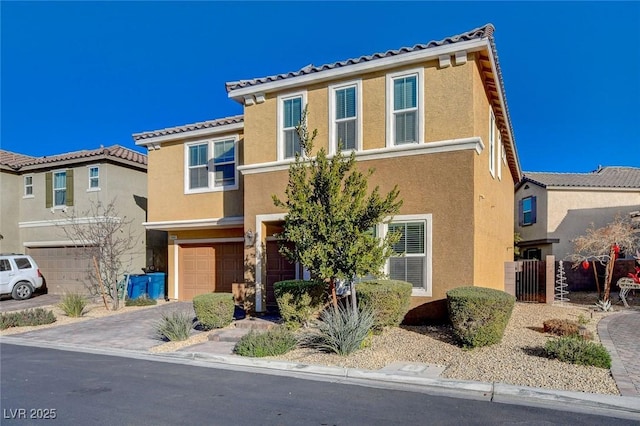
76, 75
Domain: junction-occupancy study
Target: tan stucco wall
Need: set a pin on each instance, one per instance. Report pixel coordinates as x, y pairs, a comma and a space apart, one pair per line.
11, 187
538, 230
493, 200
166, 183
448, 109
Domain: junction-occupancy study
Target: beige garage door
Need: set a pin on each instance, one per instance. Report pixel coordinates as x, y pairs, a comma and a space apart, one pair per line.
65, 269
207, 268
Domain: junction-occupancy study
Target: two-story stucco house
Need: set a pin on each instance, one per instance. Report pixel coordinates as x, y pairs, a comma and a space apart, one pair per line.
555, 208
39, 193
431, 118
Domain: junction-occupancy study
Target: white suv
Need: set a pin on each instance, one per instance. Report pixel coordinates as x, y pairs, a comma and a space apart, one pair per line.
19, 275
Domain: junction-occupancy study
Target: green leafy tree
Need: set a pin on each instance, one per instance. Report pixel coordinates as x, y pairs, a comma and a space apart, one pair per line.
331, 214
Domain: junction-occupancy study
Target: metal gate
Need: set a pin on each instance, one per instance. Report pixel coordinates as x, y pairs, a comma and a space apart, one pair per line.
531, 281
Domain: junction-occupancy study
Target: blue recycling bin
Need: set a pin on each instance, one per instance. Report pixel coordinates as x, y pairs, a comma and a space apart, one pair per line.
155, 288
137, 286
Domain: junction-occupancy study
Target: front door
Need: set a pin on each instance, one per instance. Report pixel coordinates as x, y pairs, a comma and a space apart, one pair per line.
278, 269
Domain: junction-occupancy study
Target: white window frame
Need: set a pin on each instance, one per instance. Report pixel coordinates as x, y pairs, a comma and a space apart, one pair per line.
492, 143
333, 142
391, 131
53, 188
211, 166
499, 155
428, 244
234, 162
280, 117
96, 188
28, 194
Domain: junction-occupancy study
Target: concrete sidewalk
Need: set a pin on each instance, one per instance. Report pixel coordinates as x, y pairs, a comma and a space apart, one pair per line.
132, 334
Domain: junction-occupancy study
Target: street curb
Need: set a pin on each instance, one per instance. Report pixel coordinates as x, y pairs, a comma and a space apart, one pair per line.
624, 407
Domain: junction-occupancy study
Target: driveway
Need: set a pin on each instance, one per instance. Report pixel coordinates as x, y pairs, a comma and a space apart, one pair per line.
8, 304
131, 330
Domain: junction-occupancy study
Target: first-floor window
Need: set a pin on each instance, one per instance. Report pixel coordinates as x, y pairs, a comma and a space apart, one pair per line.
410, 263
28, 186
60, 189
198, 175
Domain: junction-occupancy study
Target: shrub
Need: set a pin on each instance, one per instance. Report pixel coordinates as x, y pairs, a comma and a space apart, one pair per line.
341, 331
388, 299
214, 310
299, 301
479, 315
276, 341
141, 301
29, 317
561, 327
175, 327
578, 351
73, 304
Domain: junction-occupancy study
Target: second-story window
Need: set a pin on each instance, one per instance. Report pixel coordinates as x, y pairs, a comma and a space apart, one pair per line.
28, 186
60, 189
94, 177
405, 107
527, 211
492, 144
224, 163
198, 174
346, 119
292, 109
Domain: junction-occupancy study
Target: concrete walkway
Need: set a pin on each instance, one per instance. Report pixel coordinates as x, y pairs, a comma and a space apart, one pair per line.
133, 334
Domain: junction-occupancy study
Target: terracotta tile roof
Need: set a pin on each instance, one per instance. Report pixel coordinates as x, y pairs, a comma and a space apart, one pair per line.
604, 177
12, 159
478, 33
19, 161
189, 127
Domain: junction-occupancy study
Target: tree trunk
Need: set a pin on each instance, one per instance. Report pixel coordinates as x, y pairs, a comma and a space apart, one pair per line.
354, 300
609, 273
595, 274
332, 287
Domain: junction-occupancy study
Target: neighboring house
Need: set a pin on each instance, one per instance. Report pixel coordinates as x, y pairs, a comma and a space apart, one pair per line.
39, 193
555, 208
431, 118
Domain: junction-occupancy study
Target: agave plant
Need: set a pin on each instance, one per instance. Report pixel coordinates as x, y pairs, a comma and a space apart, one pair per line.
604, 305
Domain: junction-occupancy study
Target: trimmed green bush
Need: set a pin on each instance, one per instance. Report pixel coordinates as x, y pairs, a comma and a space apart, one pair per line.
143, 300
479, 315
388, 299
300, 301
30, 317
175, 327
276, 341
73, 304
341, 331
578, 351
214, 310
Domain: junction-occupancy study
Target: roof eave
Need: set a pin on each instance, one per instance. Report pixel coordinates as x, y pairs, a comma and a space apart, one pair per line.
363, 67
154, 142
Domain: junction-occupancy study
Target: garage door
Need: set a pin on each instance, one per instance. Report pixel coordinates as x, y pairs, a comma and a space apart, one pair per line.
65, 269
207, 268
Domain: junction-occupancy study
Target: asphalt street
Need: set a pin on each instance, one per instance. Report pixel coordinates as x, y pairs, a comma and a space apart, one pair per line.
81, 388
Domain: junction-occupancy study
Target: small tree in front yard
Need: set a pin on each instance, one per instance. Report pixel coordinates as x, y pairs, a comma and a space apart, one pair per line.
330, 215
108, 240
603, 245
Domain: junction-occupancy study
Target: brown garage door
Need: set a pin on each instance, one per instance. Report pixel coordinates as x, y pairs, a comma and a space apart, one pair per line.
207, 268
65, 269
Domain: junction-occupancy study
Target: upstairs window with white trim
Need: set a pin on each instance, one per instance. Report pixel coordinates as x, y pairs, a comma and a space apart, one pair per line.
405, 117
224, 163
289, 115
28, 186
60, 189
211, 165
198, 173
500, 154
492, 144
344, 116
411, 262
94, 178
